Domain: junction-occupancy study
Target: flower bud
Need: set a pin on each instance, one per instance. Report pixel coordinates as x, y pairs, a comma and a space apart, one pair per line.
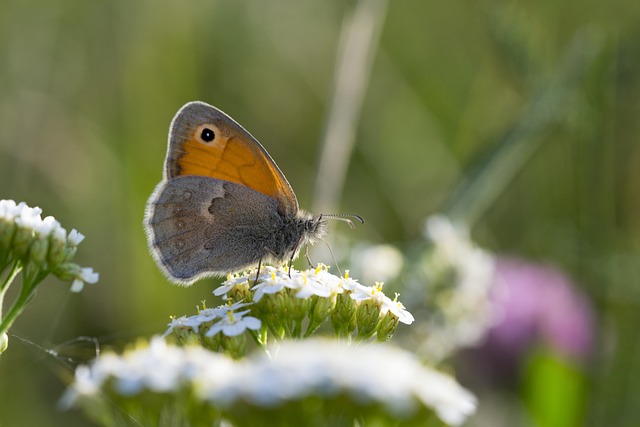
297, 307
240, 292
180, 328
343, 316
22, 240
387, 326
320, 308
38, 250
7, 230
213, 342
271, 306
57, 247
235, 346
67, 271
367, 318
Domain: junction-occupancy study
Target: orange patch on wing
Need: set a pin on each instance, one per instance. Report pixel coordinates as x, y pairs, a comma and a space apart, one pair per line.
199, 159
235, 160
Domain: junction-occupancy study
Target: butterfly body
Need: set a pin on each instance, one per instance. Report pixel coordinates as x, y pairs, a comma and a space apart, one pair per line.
223, 205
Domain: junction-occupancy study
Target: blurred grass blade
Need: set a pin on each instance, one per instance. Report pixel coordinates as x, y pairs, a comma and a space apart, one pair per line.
549, 106
358, 45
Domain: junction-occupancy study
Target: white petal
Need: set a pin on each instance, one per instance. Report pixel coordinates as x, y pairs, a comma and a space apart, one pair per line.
77, 285
89, 276
75, 237
233, 329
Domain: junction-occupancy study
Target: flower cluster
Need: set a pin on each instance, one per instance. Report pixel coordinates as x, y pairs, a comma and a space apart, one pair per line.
460, 278
328, 381
35, 247
292, 303
29, 239
221, 329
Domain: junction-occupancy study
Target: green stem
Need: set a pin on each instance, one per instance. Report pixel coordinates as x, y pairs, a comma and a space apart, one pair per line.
286, 327
311, 328
29, 284
264, 334
297, 328
18, 305
273, 329
15, 269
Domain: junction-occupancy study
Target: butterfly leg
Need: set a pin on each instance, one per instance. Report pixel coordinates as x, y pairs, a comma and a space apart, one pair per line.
291, 263
306, 255
255, 282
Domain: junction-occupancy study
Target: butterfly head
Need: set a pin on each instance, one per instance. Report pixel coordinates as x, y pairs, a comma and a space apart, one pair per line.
312, 227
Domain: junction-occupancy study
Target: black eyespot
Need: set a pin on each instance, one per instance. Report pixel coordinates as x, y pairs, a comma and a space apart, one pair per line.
207, 135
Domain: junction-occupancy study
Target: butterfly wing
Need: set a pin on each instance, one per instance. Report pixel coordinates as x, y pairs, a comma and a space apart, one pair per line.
198, 227
204, 141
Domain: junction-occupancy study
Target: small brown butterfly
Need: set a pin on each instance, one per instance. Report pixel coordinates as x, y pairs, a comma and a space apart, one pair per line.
223, 204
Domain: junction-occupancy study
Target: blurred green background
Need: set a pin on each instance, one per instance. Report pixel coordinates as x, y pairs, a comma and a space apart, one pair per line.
88, 89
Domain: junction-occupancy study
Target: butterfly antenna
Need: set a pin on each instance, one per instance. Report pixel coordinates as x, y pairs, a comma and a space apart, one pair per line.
344, 217
332, 256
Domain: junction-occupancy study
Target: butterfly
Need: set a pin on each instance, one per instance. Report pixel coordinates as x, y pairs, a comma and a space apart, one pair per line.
223, 205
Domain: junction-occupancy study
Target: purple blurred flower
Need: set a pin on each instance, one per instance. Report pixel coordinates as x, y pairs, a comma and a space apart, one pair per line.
534, 304
539, 303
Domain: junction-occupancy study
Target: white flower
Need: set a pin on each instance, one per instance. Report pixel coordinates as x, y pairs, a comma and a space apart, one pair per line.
35, 230
274, 282
60, 234
234, 324
86, 275
204, 316
313, 284
380, 374
349, 283
8, 209
182, 322
209, 314
77, 285
466, 311
377, 373
158, 368
48, 226
28, 217
75, 237
84, 385
363, 293
306, 283
317, 283
230, 283
386, 304
398, 309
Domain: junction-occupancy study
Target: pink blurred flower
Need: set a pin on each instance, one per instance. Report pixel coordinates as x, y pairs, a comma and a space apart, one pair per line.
539, 303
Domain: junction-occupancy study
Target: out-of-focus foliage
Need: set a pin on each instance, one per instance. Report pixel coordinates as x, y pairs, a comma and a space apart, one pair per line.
89, 88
